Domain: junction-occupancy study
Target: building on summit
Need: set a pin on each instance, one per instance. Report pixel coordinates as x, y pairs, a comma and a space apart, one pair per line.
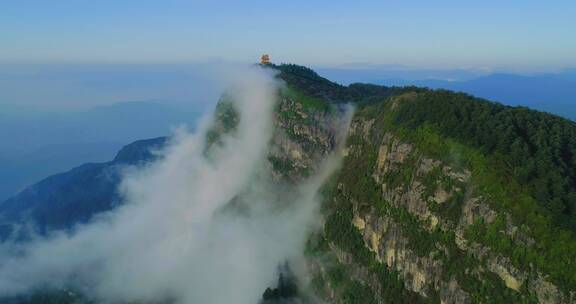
265, 59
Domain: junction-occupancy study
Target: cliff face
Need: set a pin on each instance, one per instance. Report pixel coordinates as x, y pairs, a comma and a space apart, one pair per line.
402, 226
414, 216
417, 226
307, 130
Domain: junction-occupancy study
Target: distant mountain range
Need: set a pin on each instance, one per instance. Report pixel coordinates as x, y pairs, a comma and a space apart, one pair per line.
36, 144
57, 116
62, 200
553, 93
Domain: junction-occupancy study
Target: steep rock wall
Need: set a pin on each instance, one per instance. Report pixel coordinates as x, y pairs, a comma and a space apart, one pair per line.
415, 216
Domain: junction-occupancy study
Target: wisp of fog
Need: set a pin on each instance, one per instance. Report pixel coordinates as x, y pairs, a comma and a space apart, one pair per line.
175, 236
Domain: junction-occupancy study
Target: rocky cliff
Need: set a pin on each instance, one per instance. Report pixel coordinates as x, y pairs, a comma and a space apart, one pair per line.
415, 215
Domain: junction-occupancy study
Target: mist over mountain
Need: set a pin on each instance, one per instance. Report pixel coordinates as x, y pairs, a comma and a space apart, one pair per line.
417, 196
86, 123
57, 116
287, 152
209, 195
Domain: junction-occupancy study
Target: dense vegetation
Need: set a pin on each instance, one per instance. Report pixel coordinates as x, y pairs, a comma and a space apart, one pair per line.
313, 85
537, 149
522, 161
361, 188
461, 130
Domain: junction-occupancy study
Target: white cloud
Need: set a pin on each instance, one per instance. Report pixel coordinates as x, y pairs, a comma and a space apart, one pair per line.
173, 238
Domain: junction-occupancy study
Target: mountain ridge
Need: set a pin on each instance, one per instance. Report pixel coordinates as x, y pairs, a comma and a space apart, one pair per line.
550, 92
442, 197
62, 201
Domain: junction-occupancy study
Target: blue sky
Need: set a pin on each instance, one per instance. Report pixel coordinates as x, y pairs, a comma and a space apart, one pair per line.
514, 34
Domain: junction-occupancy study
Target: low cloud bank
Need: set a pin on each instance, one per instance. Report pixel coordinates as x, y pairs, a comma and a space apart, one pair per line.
193, 228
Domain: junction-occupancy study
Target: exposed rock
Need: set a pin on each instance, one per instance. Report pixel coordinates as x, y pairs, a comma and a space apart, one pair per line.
451, 293
386, 238
428, 164
548, 293
474, 209
358, 222
441, 196
423, 274
391, 154
502, 267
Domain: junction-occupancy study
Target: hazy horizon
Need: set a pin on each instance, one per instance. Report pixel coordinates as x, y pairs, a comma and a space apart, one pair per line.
527, 35
291, 152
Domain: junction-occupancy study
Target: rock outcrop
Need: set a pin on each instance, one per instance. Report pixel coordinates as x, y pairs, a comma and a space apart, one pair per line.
416, 222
